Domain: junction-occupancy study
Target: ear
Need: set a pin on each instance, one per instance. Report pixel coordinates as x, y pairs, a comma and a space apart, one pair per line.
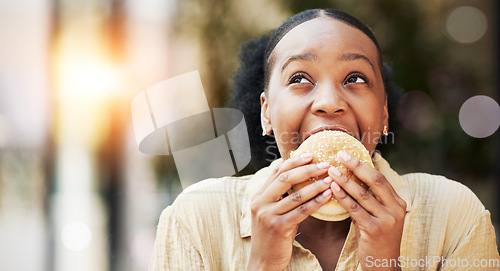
386, 112
265, 114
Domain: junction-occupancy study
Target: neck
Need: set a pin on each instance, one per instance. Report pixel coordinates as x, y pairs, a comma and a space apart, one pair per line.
324, 239
316, 229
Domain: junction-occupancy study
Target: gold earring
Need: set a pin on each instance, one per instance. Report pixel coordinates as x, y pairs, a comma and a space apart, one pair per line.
385, 132
264, 133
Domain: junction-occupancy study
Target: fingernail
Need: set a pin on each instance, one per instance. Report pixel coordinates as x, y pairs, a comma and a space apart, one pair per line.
344, 156
306, 156
323, 165
327, 193
336, 186
327, 179
335, 171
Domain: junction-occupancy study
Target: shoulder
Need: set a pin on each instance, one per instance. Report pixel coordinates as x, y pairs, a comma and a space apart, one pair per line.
440, 192
212, 194
443, 208
206, 205
451, 216
446, 209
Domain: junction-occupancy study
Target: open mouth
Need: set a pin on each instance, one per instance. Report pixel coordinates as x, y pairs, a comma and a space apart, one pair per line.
328, 127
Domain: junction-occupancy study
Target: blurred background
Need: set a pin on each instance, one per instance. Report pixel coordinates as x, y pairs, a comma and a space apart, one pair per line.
76, 193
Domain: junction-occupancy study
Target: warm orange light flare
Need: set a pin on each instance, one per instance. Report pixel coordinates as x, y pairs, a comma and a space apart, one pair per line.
86, 75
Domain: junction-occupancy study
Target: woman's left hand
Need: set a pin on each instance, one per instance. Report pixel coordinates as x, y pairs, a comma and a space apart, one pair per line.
378, 218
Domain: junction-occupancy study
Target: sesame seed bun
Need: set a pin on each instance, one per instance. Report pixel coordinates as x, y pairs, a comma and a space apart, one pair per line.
324, 146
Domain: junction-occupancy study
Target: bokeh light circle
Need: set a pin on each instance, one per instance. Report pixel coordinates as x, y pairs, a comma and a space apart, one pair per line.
479, 116
76, 236
466, 24
416, 111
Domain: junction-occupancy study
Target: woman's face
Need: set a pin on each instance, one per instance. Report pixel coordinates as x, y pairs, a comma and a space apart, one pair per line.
325, 75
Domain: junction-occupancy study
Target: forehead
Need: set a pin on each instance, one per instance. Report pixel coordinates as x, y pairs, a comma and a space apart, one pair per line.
324, 34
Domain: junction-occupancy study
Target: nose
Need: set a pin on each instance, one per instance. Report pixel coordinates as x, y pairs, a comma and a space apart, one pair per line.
328, 100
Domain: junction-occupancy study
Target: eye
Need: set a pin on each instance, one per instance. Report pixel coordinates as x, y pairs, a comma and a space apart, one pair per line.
300, 78
356, 78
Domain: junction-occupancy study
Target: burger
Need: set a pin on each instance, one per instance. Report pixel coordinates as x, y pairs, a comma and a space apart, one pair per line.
324, 147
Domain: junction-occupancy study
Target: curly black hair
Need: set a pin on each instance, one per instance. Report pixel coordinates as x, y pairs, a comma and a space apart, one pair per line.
252, 77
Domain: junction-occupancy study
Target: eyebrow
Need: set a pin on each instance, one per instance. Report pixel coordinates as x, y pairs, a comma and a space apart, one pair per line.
305, 56
355, 56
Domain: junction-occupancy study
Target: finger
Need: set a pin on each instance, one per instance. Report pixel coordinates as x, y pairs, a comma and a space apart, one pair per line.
287, 179
357, 192
304, 210
288, 164
355, 210
377, 182
401, 202
305, 194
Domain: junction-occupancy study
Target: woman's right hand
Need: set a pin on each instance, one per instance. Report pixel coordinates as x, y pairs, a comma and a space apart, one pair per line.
275, 220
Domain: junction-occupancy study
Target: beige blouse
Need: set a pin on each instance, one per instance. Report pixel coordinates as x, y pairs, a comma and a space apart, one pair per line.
208, 227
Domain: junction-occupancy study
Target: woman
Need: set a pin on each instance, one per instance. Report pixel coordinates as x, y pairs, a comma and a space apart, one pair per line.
322, 69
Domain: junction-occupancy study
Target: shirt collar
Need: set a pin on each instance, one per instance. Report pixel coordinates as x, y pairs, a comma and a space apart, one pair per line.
399, 183
401, 186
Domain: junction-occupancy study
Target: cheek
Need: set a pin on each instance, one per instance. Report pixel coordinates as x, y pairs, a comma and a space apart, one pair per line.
286, 142
370, 120
287, 115
286, 123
